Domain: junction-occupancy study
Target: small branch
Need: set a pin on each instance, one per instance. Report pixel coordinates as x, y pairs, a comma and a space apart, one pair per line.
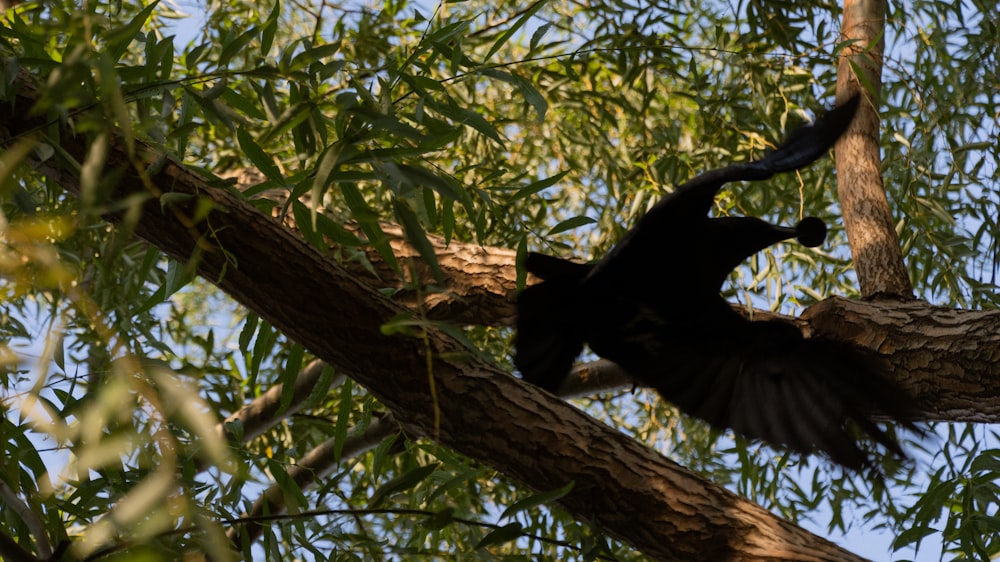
13, 552
315, 465
265, 412
35, 526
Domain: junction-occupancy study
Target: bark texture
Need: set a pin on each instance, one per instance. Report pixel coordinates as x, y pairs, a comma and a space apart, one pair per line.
867, 220
948, 359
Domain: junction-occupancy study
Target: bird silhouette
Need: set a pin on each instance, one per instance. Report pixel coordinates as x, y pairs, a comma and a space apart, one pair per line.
653, 306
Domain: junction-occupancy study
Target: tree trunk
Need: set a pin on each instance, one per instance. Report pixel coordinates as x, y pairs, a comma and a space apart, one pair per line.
870, 231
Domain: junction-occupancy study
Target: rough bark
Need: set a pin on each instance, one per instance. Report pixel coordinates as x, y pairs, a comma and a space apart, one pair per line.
480, 282
626, 489
948, 359
867, 220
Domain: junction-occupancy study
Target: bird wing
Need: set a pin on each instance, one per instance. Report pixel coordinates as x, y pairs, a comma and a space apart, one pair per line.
765, 381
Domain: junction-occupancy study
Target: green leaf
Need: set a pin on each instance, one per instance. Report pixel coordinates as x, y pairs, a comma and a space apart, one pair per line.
246, 334
288, 375
322, 387
447, 219
335, 231
401, 483
263, 347
537, 186
570, 224
269, 28
360, 210
525, 87
368, 220
236, 429
498, 536
537, 35
522, 253
510, 31
257, 156
327, 164
468, 118
295, 499
416, 236
479, 123
382, 453
231, 48
172, 198
863, 78
178, 277
291, 118
912, 535
441, 519
304, 220
10, 158
314, 54
120, 39
537, 500
987, 461
441, 185
242, 104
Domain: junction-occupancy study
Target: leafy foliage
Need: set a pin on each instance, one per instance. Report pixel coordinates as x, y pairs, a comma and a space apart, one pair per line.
551, 126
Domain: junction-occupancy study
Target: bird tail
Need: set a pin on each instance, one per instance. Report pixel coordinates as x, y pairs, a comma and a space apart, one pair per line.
802, 147
549, 335
806, 144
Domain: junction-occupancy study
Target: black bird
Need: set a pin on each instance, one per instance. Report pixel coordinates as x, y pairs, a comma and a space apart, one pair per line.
652, 305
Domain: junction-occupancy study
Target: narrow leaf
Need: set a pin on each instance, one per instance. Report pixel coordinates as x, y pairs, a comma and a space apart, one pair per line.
287, 379
122, 38
537, 500
537, 186
503, 534
269, 29
506, 35
401, 483
343, 417
416, 236
257, 156
230, 49
246, 334
570, 224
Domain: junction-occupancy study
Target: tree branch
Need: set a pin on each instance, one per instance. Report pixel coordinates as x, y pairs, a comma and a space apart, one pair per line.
317, 463
10, 549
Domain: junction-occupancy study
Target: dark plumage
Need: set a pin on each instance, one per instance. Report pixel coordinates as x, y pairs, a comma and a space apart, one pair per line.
652, 305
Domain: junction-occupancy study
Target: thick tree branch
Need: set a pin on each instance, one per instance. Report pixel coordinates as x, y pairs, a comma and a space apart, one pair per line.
631, 492
480, 282
948, 359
